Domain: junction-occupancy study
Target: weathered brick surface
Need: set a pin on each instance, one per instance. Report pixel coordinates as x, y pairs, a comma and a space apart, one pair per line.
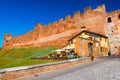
57, 33
113, 31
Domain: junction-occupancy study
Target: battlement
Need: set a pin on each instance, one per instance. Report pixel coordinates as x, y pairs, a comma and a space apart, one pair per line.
88, 9
7, 37
101, 8
77, 14
113, 12
38, 26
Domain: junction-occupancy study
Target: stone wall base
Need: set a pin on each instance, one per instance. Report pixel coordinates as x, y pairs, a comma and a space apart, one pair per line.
11, 75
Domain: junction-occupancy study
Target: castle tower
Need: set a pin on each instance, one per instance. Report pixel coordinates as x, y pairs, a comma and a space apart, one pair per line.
6, 37
113, 31
6, 41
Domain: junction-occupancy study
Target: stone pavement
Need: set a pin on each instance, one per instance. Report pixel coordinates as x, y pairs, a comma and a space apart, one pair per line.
100, 69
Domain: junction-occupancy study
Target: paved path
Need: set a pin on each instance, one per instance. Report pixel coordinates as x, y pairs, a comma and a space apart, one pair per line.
100, 69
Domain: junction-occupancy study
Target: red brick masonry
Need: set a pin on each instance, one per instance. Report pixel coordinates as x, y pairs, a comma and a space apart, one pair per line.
13, 73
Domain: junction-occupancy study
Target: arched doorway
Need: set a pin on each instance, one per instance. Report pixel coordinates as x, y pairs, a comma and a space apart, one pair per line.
109, 19
90, 49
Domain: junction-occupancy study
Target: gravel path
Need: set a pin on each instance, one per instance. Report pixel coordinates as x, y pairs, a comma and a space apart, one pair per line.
100, 69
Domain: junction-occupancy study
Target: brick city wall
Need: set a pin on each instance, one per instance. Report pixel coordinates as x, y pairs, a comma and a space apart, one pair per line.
57, 33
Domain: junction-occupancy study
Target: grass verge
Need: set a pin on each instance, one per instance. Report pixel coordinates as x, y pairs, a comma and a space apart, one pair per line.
22, 57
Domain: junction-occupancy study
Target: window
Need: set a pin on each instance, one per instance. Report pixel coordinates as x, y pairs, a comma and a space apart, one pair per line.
6, 41
119, 16
109, 19
83, 27
100, 38
82, 39
105, 39
90, 38
115, 47
101, 49
71, 42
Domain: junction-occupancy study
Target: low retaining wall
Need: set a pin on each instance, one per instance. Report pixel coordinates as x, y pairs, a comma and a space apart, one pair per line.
13, 73
45, 58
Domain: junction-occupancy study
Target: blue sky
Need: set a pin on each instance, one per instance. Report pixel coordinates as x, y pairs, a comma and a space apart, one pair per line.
19, 16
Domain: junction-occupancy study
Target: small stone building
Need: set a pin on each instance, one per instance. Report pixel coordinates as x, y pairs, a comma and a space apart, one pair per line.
88, 43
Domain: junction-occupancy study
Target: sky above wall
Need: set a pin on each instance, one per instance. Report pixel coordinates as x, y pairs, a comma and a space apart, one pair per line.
19, 16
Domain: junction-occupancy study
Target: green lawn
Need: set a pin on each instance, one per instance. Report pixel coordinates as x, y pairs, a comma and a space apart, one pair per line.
22, 57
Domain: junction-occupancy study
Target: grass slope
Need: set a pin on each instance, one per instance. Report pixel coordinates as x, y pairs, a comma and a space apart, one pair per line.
22, 57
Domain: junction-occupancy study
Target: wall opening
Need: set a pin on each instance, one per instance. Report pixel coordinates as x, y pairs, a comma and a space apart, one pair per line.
90, 49
83, 28
72, 42
109, 19
119, 16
